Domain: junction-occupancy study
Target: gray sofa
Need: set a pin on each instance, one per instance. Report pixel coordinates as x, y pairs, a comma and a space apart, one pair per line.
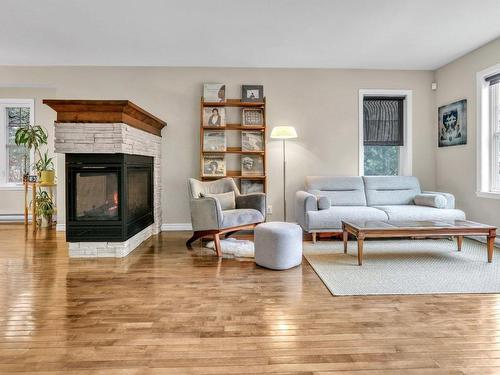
327, 200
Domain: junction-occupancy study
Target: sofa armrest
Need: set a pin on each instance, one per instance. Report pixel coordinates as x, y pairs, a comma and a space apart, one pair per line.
206, 213
304, 202
450, 198
256, 201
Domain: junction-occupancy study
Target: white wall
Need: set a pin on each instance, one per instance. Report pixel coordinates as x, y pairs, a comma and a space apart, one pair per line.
321, 103
456, 166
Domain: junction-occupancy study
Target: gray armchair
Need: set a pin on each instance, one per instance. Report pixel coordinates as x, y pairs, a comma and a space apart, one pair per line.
209, 218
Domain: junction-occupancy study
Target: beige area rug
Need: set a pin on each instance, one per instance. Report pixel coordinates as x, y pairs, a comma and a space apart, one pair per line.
405, 267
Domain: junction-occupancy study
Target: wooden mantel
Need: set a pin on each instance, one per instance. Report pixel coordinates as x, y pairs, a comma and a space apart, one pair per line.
105, 111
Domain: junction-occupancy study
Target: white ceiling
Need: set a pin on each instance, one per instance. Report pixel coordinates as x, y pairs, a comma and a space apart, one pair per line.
386, 34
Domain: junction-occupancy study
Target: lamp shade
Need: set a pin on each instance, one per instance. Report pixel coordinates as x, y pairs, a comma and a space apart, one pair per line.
283, 132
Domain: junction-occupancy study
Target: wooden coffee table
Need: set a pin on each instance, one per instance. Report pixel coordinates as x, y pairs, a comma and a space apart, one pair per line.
388, 229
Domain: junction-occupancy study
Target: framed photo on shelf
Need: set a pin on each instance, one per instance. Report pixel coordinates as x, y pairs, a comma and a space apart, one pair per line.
252, 165
214, 116
252, 93
214, 92
214, 140
252, 141
214, 166
252, 117
251, 186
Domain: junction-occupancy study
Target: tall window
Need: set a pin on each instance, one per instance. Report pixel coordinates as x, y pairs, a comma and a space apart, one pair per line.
488, 82
383, 135
494, 115
14, 160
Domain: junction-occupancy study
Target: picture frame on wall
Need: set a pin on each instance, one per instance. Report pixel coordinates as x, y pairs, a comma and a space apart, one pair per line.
252, 141
214, 116
252, 117
214, 141
214, 92
252, 186
452, 124
252, 93
214, 166
252, 165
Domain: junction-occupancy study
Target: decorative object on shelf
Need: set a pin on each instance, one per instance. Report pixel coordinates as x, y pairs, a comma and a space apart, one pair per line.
252, 165
214, 166
252, 141
214, 141
214, 116
284, 133
32, 178
251, 186
452, 126
44, 207
214, 92
252, 93
252, 117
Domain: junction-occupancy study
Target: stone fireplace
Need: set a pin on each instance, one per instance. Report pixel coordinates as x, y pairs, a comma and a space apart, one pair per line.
113, 183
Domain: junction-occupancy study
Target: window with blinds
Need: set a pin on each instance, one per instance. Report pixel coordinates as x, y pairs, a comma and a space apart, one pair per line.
383, 135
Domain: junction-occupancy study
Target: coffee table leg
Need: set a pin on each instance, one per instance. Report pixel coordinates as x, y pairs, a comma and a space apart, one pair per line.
460, 239
491, 243
344, 237
360, 250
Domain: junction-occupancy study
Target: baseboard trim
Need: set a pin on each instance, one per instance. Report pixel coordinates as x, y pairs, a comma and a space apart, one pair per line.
14, 218
170, 227
60, 227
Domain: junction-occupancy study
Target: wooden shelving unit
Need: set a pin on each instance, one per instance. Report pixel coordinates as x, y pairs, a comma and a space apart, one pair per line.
234, 150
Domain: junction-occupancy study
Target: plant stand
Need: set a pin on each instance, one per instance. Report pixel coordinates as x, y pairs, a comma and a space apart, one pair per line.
34, 186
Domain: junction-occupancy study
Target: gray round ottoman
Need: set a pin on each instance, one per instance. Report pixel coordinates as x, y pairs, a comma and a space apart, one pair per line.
278, 245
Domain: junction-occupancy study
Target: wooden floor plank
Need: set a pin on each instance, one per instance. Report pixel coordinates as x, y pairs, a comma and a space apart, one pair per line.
166, 310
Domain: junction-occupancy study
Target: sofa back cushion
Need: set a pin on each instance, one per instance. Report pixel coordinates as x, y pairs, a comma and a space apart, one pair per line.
342, 191
390, 190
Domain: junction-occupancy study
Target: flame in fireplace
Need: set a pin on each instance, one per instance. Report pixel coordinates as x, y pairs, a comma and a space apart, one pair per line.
115, 198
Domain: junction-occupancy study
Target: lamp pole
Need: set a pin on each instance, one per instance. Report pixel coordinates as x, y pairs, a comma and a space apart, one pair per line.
284, 133
284, 179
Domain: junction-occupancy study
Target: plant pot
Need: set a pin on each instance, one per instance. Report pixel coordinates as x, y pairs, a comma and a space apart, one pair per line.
46, 222
47, 177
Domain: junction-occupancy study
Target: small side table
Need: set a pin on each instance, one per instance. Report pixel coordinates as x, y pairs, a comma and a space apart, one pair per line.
34, 186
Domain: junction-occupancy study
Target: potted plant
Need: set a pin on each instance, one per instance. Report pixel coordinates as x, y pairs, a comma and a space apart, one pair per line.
34, 137
44, 207
45, 168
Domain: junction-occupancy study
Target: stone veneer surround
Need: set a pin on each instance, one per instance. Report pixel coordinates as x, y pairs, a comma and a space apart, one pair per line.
73, 138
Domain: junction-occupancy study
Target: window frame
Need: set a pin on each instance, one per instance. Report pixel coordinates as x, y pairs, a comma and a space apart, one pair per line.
406, 151
4, 104
486, 135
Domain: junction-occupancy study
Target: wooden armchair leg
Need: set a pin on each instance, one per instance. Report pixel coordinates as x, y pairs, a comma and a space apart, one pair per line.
218, 249
197, 235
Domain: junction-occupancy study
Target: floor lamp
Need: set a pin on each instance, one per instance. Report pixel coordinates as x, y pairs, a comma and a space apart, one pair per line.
284, 133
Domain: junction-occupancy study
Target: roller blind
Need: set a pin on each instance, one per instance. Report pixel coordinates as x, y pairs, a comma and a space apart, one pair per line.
493, 80
383, 121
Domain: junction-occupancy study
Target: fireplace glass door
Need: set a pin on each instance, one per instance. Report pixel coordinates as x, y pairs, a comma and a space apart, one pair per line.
97, 196
139, 192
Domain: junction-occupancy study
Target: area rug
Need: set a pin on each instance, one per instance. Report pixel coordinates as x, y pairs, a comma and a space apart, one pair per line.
405, 267
232, 247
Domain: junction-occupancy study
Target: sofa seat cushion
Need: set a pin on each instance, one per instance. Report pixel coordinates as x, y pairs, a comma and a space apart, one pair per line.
243, 216
332, 218
412, 212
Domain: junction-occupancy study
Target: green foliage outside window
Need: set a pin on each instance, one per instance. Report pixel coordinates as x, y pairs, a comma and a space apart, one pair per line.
381, 160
